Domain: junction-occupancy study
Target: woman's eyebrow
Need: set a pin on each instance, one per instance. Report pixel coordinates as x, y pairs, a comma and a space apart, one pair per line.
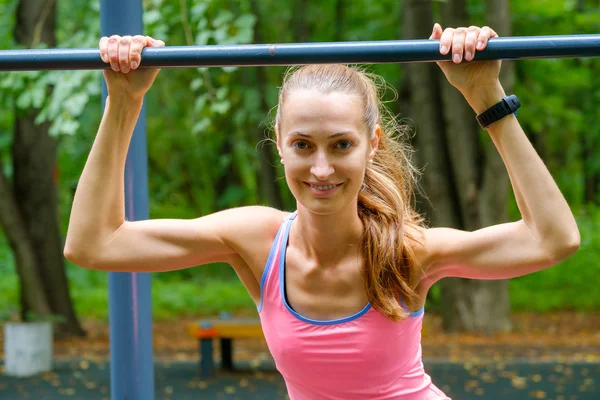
333, 135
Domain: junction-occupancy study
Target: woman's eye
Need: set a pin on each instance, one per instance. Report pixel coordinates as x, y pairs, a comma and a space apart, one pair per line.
344, 144
300, 145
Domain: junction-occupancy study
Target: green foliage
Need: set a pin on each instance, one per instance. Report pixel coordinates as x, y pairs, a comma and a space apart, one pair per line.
61, 96
561, 95
195, 299
9, 285
214, 289
570, 285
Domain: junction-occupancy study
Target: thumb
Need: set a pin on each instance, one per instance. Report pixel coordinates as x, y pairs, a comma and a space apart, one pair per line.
436, 34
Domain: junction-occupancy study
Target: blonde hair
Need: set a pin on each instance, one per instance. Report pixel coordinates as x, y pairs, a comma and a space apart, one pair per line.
385, 200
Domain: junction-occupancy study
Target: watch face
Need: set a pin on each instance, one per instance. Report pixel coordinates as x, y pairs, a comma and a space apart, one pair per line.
513, 103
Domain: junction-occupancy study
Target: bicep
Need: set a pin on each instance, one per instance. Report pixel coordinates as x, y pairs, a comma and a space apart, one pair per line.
497, 252
170, 244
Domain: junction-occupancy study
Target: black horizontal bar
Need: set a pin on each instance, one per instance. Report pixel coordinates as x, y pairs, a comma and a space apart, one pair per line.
374, 52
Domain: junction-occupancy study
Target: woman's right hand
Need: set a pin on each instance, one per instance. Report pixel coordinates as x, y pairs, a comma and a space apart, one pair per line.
124, 55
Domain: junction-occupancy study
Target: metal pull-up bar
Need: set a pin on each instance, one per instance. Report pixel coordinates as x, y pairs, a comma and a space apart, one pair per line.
374, 52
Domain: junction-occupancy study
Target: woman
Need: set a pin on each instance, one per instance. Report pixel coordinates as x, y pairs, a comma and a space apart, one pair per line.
340, 284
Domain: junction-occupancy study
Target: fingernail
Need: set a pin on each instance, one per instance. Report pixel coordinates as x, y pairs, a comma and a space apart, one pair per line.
456, 58
468, 55
480, 45
444, 49
133, 65
115, 66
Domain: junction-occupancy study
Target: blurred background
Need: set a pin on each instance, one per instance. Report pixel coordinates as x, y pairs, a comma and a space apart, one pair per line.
206, 152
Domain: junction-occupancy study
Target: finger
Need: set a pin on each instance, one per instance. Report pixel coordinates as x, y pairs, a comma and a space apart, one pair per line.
437, 32
138, 42
458, 44
446, 40
470, 42
113, 52
103, 46
484, 35
156, 43
124, 45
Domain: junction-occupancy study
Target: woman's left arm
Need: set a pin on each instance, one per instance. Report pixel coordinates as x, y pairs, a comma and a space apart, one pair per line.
547, 232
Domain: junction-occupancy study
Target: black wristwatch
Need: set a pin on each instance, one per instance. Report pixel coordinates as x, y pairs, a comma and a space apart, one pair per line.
506, 106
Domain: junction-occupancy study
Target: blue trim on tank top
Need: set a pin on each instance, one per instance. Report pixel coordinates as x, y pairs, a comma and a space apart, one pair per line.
282, 252
268, 265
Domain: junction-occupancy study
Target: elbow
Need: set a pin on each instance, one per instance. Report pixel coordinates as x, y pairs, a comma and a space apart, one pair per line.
566, 247
79, 258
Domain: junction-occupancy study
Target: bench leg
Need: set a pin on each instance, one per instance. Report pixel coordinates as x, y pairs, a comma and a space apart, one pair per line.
226, 354
207, 366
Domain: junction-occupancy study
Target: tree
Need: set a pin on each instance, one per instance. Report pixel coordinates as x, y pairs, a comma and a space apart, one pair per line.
465, 179
29, 209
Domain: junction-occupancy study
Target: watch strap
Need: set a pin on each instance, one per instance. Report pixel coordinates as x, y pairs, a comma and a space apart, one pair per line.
504, 107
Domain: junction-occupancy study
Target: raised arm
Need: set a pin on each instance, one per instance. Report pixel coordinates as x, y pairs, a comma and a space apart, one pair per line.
98, 235
98, 207
547, 232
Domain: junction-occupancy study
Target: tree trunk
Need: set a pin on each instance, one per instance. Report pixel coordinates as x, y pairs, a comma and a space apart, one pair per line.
426, 110
482, 184
465, 184
268, 188
34, 185
33, 297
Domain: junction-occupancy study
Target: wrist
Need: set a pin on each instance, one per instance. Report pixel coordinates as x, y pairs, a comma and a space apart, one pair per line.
125, 101
485, 96
124, 110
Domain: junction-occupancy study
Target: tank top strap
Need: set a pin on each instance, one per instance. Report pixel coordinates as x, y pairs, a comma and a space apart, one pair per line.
273, 260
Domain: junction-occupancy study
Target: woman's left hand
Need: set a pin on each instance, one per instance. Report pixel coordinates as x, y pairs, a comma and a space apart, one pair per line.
463, 43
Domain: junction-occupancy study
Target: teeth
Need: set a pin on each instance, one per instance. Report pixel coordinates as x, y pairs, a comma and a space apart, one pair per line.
323, 187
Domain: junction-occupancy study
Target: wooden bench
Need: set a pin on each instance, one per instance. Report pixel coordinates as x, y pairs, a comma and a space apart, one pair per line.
225, 329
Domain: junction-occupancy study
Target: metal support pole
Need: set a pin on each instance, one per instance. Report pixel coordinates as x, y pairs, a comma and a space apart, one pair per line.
227, 354
130, 306
390, 51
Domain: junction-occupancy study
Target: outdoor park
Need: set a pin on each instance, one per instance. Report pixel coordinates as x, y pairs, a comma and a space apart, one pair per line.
535, 336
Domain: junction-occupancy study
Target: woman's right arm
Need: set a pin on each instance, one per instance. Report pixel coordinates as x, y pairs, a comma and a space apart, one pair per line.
98, 235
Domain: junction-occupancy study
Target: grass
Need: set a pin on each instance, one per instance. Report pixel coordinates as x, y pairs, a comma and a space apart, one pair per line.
212, 289
570, 285
169, 297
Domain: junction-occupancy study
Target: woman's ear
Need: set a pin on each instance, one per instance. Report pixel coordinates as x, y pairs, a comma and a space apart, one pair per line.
278, 141
375, 141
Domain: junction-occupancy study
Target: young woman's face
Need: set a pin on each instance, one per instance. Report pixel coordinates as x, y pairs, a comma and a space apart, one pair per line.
324, 143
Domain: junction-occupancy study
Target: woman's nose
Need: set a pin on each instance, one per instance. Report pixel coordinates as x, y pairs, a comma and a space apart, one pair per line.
321, 167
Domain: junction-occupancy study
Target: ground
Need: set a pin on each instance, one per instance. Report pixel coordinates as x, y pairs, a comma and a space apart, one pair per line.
550, 356
561, 336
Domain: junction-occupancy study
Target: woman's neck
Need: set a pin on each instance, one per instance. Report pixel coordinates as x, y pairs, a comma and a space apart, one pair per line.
327, 239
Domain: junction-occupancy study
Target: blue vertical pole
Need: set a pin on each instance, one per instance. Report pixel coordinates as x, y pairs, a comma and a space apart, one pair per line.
130, 305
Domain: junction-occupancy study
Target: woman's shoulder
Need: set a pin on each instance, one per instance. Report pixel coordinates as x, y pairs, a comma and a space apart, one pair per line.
256, 219
256, 226
253, 235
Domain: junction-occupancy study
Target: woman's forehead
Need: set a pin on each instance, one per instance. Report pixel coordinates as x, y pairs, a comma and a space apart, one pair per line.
314, 110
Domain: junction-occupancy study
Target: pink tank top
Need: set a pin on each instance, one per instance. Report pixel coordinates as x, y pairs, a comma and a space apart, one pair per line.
364, 356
